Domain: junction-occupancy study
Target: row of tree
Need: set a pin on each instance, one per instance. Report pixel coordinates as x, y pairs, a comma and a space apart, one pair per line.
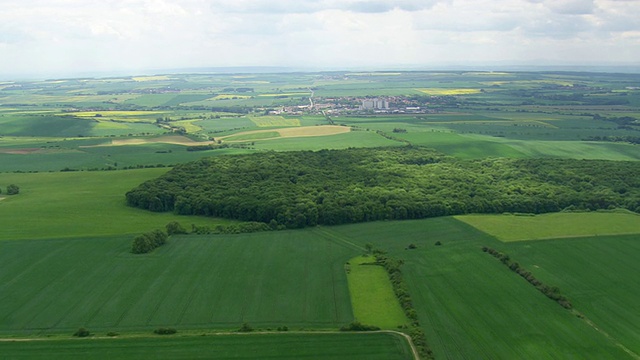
298, 189
552, 292
392, 266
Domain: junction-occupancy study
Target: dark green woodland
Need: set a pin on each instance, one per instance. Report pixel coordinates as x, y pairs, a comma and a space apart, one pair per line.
298, 189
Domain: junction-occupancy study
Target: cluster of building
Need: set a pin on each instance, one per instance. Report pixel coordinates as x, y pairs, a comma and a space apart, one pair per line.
355, 105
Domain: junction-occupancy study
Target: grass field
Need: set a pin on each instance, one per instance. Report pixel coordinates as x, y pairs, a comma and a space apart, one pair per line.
555, 225
73, 204
372, 297
472, 306
370, 346
290, 278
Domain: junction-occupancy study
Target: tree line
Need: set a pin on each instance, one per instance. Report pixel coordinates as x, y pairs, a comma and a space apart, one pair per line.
329, 187
400, 289
552, 292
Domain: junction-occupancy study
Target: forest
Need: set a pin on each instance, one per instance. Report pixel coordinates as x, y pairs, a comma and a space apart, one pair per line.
328, 187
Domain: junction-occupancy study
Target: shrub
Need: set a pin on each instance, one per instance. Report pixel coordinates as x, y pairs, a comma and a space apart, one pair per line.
245, 328
13, 189
174, 228
112, 333
357, 326
165, 331
82, 332
146, 242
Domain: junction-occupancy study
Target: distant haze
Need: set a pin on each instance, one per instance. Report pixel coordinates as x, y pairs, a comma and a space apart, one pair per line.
56, 38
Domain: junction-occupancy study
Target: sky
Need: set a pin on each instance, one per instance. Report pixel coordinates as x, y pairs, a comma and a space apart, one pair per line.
66, 37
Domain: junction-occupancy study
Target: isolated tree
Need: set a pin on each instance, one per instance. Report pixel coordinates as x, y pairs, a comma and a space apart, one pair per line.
13, 189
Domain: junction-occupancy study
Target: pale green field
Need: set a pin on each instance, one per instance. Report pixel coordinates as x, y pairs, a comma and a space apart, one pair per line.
372, 297
253, 136
274, 121
556, 225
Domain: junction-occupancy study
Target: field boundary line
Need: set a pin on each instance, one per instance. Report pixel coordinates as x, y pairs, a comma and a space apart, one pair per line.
606, 334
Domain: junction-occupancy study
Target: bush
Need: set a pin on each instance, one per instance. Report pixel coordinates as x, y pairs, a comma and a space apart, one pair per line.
357, 326
174, 228
165, 331
146, 242
13, 189
283, 328
112, 333
245, 328
82, 332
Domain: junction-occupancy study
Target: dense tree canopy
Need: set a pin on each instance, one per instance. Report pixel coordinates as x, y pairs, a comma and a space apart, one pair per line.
298, 189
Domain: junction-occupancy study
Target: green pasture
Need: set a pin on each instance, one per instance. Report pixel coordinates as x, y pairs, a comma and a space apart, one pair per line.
555, 225
288, 278
472, 306
372, 297
80, 204
329, 346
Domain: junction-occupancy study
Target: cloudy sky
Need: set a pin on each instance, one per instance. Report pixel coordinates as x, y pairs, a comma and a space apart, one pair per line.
61, 37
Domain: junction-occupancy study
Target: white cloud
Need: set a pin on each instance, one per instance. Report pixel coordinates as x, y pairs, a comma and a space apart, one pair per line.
66, 35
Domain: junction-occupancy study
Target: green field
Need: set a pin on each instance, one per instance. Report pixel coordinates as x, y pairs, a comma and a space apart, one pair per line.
372, 297
472, 306
76, 204
65, 239
598, 274
556, 225
289, 278
330, 346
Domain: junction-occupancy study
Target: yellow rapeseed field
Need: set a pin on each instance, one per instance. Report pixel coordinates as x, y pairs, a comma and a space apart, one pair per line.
444, 92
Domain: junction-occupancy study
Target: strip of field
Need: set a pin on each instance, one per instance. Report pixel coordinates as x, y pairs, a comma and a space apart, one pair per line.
273, 121
303, 131
150, 78
72, 204
286, 94
556, 225
444, 91
333, 346
287, 278
471, 306
372, 297
173, 139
